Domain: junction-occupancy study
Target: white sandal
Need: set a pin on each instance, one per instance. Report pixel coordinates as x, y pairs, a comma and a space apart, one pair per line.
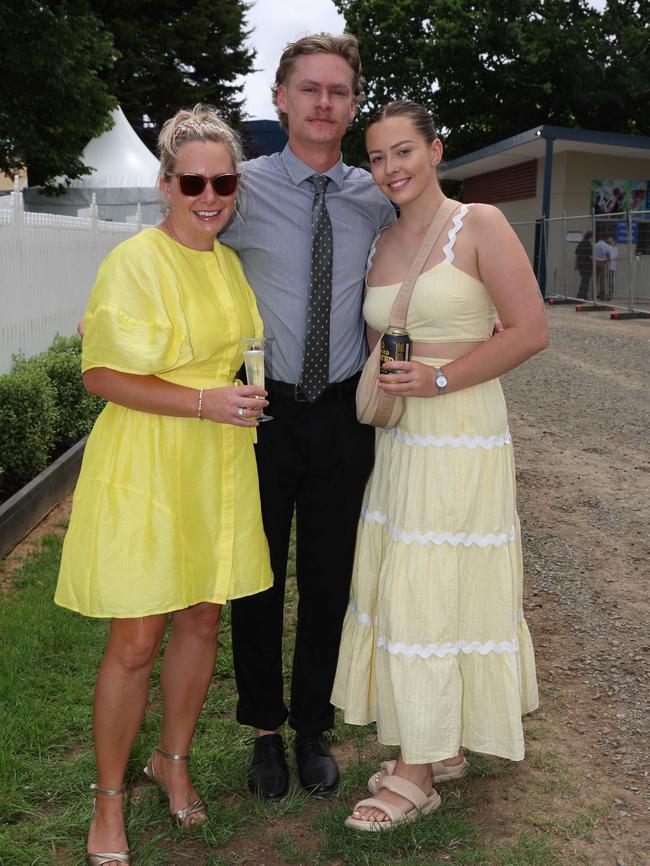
422, 805
441, 773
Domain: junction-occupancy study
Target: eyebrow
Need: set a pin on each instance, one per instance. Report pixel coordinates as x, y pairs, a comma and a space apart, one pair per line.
394, 146
320, 84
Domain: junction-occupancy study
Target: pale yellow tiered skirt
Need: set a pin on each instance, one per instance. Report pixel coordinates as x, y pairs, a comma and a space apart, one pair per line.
435, 647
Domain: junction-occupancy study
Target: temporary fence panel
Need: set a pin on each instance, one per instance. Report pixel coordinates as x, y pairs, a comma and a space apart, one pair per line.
48, 265
622, 282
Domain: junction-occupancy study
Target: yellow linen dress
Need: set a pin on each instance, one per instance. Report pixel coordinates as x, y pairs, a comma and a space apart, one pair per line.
166, 512
435, 647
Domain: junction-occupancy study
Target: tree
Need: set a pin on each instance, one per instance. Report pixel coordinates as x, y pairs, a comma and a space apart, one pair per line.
52, 100
488, 71
625, 102
67, 63
173, 55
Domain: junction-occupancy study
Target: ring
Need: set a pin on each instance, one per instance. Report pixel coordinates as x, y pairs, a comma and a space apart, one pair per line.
240, 412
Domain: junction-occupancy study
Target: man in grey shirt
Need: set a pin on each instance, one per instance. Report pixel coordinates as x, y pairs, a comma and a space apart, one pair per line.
313, 456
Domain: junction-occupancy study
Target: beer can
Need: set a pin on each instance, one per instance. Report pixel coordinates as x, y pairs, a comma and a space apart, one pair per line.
395, 346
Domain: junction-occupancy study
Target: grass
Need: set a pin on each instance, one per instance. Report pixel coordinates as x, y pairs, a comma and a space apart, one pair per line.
48, 662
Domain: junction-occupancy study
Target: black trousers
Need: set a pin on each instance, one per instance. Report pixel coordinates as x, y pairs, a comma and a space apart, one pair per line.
585, 279
316, 458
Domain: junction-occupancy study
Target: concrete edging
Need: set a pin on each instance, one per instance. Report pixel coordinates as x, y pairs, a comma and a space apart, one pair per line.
26, 508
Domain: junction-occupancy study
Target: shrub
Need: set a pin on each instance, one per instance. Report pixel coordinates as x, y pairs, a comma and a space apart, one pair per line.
28, 420
44, 409
77, 409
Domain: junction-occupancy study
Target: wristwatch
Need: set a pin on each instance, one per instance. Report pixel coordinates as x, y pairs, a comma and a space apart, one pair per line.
441, 381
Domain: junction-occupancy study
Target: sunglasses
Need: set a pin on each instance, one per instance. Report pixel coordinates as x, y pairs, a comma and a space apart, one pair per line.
194, 184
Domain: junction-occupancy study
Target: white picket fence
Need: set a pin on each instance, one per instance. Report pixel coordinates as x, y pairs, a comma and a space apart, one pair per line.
48, 265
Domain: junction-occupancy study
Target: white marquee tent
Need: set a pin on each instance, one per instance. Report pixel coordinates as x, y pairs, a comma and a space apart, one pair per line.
125, 174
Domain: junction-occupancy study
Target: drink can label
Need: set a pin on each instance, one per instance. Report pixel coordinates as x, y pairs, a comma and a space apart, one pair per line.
394, 347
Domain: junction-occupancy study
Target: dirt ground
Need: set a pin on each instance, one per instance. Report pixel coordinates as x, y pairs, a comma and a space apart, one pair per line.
580, 419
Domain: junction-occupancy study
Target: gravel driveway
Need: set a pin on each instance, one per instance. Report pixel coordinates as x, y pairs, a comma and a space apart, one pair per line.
580, 417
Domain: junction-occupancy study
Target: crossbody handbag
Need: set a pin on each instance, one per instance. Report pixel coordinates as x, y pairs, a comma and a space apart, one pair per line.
374, 406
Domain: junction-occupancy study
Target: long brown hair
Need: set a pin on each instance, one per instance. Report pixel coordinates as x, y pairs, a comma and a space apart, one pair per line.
417, 114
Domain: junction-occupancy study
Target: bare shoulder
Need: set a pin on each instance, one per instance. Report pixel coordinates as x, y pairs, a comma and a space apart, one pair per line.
486, 217
488, 227
386, 241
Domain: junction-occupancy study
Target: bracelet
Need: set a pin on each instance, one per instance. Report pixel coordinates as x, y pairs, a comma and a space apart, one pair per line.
199, 410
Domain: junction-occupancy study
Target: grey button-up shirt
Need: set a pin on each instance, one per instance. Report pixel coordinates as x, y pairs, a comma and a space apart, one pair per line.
271, 232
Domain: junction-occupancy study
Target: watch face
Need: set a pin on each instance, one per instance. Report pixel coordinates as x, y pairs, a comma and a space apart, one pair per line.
441, 381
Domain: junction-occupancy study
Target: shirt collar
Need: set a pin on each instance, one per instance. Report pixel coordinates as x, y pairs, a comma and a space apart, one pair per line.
299, 171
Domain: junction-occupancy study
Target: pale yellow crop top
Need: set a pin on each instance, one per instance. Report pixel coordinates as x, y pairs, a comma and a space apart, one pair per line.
447, 304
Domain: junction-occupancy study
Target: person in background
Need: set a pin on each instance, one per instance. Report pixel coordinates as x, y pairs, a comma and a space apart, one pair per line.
613, 261
435, 647
601, 257
306, 224
583, 264
166, 518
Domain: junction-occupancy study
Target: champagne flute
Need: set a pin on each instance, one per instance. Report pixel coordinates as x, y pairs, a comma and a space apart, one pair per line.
253, 349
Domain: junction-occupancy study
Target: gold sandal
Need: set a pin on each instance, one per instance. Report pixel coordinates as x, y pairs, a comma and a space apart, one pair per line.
179, 817
104, 857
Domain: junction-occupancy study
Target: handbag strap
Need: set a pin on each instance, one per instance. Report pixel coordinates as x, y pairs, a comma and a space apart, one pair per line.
397, 318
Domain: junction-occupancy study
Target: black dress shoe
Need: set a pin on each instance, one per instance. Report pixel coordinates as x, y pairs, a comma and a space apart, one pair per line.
268, 775
317, 769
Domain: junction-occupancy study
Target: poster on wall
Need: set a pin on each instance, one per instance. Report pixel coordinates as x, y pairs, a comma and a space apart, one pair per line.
617, 196
620, 232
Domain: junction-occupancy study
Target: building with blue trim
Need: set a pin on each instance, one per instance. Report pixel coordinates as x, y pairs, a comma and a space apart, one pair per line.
549, 171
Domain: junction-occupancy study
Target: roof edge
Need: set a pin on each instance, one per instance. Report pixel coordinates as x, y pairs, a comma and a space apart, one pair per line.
547, 131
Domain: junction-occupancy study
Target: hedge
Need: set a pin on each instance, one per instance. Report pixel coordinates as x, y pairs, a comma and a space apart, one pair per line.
44, 409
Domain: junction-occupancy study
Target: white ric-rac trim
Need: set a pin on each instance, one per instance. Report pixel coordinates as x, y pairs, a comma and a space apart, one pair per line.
416, 649
362, 618
467, 539
457, 220
464, 441
466, 647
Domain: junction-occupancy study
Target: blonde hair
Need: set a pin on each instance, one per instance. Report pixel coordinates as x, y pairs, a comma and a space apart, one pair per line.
201, 123
345, 46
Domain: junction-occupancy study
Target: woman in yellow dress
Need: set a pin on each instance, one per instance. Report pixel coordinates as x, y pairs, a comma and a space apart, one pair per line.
166, 514
435, 647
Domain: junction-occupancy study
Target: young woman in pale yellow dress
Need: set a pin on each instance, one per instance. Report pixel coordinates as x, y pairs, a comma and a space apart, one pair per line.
166, 515
435, 647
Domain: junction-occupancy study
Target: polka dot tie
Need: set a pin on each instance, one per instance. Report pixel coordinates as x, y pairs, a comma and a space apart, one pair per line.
316, 359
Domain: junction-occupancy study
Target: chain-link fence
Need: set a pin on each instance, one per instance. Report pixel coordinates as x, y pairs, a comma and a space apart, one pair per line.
598, 258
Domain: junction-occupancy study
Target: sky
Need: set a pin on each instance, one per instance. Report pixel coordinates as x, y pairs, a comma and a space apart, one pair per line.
274, 26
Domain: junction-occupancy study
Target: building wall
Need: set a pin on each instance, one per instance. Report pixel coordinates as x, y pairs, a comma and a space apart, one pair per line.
7, 183
582, 168
515, 182
573, 172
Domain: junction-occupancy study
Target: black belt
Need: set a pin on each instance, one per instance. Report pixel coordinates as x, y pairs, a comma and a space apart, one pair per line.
334, 391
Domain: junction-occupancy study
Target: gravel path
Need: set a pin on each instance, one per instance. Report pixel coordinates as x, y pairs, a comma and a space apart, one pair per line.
580, 417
